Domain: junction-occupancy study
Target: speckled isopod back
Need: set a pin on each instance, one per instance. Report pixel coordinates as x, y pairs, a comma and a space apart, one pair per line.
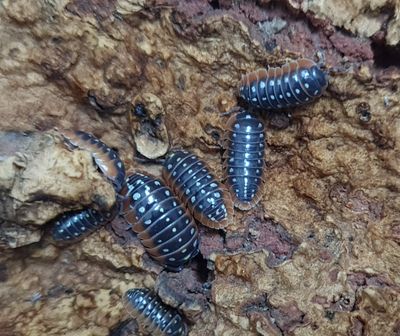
295, 83
165, 228
207, 199
76, 225
152, 315
244, 163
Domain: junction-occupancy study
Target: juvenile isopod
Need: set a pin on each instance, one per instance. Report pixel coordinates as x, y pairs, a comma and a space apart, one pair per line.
152, 315
73, 226
207, 199
244, 162
165, 228
106, 159
295, 83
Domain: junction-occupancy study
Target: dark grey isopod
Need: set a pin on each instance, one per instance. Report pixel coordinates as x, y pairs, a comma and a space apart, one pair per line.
295, 83
192, 181
76, 225
152, 315
165, 228
244, 163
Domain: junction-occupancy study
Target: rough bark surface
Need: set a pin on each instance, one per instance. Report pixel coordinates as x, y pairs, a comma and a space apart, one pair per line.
320, 254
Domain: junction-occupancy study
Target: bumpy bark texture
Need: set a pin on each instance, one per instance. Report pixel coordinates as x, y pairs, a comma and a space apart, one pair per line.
318, 256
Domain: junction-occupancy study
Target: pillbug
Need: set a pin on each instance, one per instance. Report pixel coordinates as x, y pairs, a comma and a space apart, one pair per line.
106, 159
153, 316
76, 225
191, 180
244, 164
165, 228
295, 83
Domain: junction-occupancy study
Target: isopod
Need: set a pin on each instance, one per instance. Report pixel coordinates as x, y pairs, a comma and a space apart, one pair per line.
295, 83
76, 225
244, 163
165, 228
105, 158
153, 316
207, 199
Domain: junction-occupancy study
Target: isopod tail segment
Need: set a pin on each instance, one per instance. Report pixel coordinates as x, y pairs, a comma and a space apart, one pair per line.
192, 181
153, 316
295, 83
165, 228
243, 159
106, 159
73, 226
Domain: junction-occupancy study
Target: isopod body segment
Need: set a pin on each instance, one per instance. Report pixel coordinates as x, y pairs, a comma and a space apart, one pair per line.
165, 228
295, 83
73, 226
105, 158
152, 315
207, 199
244, 163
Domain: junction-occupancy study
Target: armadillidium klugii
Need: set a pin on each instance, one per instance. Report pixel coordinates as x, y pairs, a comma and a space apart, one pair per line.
76, 225
152, 315
295, 83
207, 199
165, 228
244, 163
106, 159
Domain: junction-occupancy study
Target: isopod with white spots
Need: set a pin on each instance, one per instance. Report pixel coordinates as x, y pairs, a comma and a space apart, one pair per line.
163, 225
295, 83
244, 162
76, 225
153, 316
207, 199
